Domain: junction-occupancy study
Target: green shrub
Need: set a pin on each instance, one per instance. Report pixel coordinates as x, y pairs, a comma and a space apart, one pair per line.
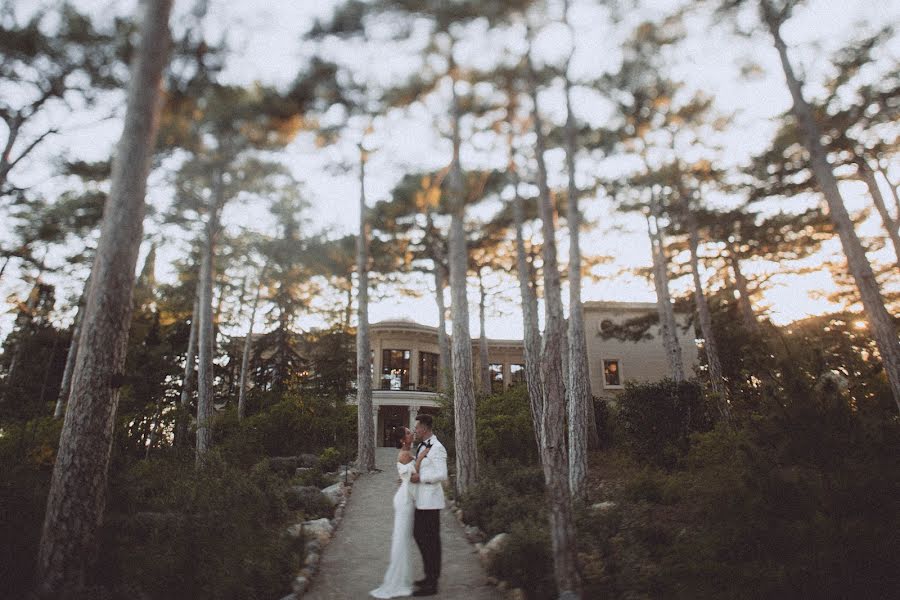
656, 419
174, 532
310, 501
329, 460
313, 477
798, 503
526, 560
27, 452
504, 427
505, 494
604, 422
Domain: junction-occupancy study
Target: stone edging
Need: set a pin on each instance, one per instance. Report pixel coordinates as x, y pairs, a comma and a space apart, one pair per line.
323, 530
477, 537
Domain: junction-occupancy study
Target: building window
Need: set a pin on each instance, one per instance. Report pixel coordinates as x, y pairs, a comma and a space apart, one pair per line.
395, 369
428, 371
496, 371
516, 374
612, 374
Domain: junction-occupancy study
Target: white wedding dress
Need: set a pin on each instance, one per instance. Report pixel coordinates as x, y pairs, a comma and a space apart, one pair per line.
398, 578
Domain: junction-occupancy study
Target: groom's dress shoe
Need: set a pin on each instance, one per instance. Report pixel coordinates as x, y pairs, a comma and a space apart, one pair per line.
420, 582
425, 591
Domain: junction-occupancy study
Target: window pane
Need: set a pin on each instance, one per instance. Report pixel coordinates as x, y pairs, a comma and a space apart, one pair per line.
496, 371
395, 369
428, 371
611, 372
516, 374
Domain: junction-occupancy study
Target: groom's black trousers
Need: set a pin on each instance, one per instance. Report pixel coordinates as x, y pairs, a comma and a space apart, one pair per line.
427, 533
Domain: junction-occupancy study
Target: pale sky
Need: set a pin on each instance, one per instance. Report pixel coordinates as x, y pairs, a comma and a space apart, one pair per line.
266, 38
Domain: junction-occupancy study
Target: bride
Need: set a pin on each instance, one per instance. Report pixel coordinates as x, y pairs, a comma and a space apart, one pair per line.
398, 578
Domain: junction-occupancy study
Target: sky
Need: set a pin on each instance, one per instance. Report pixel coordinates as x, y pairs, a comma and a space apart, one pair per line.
265, 37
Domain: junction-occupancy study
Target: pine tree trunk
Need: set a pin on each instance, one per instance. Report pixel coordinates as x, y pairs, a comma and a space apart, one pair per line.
580, 400
890, 225
532, 337
23, 329
65, 385
884, 329
245, 356
664, 309
709, 339
890, 185
554, 457
483, 358
77, 496
190, 361
48, 367
463, 380
365, 443
530, 324
463, 390
206, 331
446, 371
745, 307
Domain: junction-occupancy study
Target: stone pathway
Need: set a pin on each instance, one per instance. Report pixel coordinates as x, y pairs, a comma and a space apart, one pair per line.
356, 559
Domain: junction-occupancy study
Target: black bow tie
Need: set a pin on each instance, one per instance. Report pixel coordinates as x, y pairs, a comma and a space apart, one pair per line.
423, 445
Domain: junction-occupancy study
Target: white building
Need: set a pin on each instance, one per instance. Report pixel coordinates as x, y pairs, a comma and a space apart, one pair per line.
405, 358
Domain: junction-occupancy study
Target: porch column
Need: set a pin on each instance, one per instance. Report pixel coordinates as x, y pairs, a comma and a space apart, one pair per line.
414, 369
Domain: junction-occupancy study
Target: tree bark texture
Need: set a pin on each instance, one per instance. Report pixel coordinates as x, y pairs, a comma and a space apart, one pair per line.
365, 443
245, 356
580, 400
483, 357
77, 496
554, 457
65, 385
206, 335
667, 323
445, 383
709, 338
530, 326
190, 362
463, 381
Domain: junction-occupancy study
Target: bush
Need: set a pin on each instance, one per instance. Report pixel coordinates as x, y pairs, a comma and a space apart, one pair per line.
656, 419
329, 460
604, 422
799, 503
506, 493
310, 501
504, 427
290, 427
173, 532
27, 452
526, 560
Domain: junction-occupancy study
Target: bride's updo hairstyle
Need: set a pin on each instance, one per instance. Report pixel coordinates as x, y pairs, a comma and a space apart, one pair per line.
397, 436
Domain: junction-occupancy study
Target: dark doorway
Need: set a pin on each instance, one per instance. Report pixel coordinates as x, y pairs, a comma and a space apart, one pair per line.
391, 417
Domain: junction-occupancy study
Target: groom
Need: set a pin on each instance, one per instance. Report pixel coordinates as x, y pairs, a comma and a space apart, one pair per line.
428, 494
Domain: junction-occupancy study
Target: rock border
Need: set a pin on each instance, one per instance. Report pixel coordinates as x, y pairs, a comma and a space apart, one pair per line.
324, 529
485, 549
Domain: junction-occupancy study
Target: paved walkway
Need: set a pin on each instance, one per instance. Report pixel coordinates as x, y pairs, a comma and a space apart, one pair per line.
356, 559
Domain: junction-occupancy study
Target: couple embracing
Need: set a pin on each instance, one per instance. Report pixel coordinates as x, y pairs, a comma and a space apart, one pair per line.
417, 508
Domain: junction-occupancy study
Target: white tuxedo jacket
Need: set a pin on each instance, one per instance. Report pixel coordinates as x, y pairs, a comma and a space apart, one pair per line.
428, 494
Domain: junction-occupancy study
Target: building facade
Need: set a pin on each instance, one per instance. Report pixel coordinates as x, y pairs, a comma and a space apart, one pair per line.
406, 361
